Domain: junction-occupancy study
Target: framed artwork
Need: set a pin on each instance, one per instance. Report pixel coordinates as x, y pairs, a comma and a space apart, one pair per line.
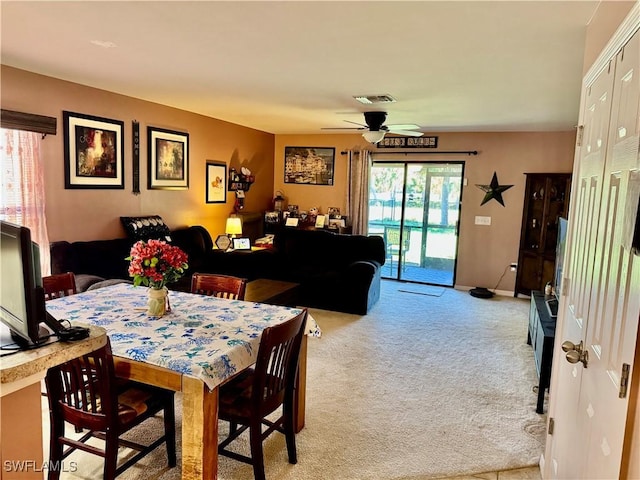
223, 242
93, 151
216, 188
241, 243
291, 222
309, 165
168, 159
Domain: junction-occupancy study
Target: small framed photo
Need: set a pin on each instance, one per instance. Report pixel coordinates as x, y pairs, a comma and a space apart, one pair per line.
223, 242
168, 159
241, 243
93, 152
291, 222
336, 223
320, 219
216, 185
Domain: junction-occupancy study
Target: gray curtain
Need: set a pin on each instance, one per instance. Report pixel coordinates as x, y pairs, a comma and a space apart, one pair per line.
358, 191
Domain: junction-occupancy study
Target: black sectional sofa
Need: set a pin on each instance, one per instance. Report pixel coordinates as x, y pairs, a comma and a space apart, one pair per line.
335, 272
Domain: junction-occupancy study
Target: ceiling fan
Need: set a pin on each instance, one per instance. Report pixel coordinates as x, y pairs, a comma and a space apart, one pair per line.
376, 129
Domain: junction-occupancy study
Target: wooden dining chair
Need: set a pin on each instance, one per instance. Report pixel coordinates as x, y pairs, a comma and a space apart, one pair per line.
248, 398
85, 393
59, 285
221, 286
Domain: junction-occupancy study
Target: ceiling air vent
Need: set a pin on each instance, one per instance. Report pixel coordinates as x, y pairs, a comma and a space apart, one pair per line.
372, 99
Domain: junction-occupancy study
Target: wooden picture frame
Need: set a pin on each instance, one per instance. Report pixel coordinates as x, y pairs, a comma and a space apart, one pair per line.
216, 186
168, 154
93, 151
309, 165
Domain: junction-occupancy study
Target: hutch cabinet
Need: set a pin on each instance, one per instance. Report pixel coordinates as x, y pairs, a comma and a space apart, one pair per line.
546, 198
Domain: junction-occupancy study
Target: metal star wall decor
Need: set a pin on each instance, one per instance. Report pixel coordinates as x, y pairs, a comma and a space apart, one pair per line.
494, 190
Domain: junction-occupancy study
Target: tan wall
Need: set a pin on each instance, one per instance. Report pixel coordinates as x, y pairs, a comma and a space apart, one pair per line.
601, 27
94, 214
484, 251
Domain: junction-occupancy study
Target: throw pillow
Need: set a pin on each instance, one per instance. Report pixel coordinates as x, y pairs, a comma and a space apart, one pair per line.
146, 228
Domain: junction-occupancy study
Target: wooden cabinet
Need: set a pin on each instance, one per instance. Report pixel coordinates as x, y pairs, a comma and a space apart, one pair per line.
546, 199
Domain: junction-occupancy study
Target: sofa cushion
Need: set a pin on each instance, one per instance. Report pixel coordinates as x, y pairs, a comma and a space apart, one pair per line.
146, 228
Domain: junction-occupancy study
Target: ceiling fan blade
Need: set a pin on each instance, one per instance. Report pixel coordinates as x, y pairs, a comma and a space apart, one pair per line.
342, 128
356, 123
407, 133
403, 126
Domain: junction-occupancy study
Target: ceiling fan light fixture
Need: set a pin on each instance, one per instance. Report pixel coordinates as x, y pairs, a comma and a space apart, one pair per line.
373, 136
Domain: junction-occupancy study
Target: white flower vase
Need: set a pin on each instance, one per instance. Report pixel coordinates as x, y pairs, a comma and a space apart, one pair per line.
158, 303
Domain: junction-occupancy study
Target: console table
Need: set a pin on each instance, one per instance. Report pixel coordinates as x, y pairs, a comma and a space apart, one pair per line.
541, 335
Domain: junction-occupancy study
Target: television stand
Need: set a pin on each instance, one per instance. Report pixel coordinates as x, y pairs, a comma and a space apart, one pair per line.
541, 335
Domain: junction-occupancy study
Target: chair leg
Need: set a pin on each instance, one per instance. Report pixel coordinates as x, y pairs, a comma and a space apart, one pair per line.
170, 431
290, 436
257, 457
110, 455
55, 448
288, 412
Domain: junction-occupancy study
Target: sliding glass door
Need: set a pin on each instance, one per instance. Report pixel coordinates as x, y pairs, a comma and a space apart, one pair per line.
416, 208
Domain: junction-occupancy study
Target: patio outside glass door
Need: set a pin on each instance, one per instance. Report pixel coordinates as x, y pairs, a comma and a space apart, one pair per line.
416, 208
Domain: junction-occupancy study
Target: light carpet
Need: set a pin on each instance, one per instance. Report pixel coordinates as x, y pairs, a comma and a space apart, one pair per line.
422, 387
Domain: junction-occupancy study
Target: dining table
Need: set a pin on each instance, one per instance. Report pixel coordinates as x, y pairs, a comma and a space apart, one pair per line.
201, 342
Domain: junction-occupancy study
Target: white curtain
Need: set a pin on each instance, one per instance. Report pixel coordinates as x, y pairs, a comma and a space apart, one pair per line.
358, 190
22, 187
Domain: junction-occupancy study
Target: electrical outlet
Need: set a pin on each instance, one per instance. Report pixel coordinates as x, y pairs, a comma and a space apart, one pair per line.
513, 266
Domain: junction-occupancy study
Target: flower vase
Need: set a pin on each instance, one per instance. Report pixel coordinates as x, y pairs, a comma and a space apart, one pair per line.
158, 302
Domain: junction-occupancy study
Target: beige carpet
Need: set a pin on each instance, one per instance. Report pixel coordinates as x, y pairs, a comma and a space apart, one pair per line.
423, 387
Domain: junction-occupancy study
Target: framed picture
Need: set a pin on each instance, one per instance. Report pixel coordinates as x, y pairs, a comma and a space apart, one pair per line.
168, 159
291, 222
216, 189
309, 165
337, 223
241, 243
223, 242
334, 212
93, 151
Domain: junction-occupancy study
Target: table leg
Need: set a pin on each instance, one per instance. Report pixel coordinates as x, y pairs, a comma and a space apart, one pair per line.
199, 430
301, 387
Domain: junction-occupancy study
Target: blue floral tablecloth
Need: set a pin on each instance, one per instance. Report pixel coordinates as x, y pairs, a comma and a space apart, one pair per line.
204, 337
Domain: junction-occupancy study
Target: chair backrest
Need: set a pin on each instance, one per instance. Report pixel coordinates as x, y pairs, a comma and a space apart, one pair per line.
277, 364
82, 391
221, 286
59, 285
392, 237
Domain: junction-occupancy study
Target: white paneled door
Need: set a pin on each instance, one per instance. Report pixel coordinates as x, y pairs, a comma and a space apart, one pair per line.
600, 307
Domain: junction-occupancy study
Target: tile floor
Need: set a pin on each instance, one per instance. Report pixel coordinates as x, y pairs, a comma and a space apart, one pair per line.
530, 473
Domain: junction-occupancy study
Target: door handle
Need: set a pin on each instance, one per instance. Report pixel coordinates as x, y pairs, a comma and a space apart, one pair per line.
568, 346
576, 353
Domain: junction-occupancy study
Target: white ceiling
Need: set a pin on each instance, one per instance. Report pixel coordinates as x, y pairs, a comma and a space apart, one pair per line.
293, 66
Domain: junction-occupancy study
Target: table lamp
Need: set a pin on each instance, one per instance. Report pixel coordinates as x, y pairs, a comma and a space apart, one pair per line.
234, 226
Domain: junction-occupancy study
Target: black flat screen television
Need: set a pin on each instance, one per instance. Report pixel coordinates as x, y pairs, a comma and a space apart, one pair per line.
22, 307
561, 244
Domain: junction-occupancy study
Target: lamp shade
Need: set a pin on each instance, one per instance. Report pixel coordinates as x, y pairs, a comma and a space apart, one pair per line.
373, 136
234, 226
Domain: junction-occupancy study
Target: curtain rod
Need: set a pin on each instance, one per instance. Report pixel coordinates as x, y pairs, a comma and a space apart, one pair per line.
465, 152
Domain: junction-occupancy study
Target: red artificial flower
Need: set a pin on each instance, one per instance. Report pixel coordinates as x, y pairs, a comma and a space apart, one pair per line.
156, 263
